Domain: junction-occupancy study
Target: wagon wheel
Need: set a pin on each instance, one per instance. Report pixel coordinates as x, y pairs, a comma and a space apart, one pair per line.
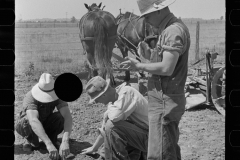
218, 91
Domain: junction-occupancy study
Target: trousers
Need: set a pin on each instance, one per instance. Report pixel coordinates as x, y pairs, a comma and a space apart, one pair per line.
124, 141
53, 126
164, 114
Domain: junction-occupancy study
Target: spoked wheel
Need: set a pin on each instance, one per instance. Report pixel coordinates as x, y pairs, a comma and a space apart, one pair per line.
218, 90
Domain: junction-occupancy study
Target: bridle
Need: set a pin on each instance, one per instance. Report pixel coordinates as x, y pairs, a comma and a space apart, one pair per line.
120, 36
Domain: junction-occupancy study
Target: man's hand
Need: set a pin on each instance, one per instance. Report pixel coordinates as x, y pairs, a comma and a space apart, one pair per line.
53, 152
88, 151
130, 64
64, 150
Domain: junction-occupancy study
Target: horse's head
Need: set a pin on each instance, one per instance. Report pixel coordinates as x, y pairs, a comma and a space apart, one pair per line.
93, 7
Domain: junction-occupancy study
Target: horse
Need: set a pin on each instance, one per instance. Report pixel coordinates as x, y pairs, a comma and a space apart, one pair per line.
98, 32
131, 30
94, 6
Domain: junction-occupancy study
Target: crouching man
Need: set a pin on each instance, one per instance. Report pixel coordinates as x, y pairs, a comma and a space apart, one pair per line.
124, 131
37, 120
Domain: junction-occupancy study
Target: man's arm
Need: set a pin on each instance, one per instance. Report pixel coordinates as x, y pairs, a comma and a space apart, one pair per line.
123, 107
165, 68
37, 127
67, 123
100, 139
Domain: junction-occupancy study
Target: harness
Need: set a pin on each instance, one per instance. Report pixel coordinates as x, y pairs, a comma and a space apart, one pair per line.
121, 35
83, 37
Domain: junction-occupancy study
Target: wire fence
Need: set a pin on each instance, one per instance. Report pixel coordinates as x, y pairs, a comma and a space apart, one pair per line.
75, 24
60, 48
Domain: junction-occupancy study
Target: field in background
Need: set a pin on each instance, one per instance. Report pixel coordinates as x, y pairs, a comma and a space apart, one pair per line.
59, 50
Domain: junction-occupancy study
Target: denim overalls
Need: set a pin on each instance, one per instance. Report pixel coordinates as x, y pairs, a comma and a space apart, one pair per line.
166, 97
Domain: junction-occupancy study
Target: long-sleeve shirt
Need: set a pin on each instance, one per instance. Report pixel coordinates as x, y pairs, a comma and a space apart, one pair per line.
130, 105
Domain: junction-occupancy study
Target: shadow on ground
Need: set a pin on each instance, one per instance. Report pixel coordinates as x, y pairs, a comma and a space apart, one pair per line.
76, 148
203, 107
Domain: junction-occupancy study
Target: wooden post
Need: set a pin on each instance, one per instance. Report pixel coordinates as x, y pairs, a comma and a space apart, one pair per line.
197, 43
208, 85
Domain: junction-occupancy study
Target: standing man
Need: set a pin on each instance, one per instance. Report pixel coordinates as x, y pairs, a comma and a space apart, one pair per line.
168, 72
37, 120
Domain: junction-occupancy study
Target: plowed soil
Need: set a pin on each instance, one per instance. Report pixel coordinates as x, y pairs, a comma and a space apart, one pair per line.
202, 129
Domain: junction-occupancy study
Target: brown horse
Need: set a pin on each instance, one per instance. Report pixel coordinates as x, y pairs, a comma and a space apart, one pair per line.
132, 30
98, 32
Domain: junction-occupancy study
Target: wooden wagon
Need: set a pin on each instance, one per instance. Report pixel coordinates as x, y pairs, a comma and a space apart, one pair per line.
211, 82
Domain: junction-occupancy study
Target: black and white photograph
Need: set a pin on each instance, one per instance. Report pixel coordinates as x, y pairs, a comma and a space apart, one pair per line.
152, 73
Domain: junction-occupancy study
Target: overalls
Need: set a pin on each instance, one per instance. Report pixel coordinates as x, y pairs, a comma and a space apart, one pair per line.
167, 102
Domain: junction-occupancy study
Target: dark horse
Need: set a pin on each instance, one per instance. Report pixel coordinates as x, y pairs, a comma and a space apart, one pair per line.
132, 30
98, 36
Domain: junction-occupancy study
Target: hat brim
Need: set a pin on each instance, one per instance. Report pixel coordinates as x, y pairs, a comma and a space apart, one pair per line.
41, 96
91, 101
163, 5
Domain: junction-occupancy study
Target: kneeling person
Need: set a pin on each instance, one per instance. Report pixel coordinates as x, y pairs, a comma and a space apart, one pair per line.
124, 131
37, 119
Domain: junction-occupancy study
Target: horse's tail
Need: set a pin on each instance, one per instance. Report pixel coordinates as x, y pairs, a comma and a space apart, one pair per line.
102, 55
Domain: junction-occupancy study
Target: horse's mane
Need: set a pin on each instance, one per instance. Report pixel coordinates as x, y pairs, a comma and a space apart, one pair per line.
127, 15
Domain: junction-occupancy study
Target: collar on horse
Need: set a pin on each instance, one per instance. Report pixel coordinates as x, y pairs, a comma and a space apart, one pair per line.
130, 18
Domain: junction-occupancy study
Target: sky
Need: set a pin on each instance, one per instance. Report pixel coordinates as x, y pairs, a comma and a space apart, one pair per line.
37, 9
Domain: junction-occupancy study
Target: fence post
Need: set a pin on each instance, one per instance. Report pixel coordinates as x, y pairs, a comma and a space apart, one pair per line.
197, 43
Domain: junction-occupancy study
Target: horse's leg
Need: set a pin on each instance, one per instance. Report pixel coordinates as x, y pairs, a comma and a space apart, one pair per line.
91, 66
113, 82
124, 52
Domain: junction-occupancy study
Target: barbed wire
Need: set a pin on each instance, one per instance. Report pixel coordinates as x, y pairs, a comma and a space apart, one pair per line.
49, 50
29, 44
59, 50
47, 34
43, 43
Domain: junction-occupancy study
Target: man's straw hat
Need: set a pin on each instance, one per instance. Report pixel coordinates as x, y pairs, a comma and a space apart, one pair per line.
149, 6
43, 91
96, 87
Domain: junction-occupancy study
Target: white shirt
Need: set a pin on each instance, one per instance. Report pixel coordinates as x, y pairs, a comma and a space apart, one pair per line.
130, 105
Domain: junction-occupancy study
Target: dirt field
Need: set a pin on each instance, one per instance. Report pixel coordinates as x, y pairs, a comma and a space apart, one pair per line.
202, 129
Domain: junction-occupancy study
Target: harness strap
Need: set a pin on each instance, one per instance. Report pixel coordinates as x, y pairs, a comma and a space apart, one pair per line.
121, 35
91, 38
82, 37
133, 26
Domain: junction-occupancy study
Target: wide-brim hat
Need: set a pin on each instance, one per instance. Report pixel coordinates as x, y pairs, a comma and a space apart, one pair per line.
149, 6
43, 91
96, 87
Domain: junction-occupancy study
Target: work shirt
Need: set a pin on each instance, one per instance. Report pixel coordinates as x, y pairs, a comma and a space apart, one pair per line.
130, 105
174, 36
44, 109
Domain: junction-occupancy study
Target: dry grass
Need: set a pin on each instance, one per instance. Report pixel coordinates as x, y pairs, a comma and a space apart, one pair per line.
59, 49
